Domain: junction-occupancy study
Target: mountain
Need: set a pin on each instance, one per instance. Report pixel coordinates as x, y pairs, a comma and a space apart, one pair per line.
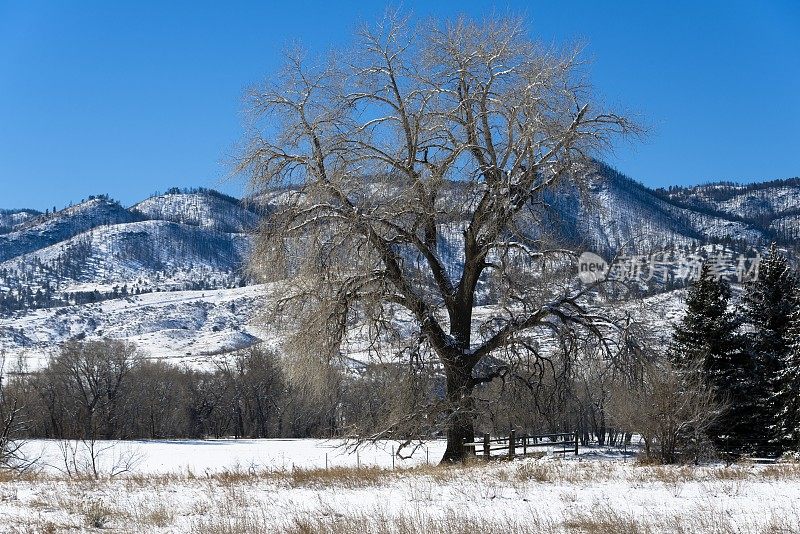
99, 249
771, 207
203, 207
37, 232
169, 272
618, 212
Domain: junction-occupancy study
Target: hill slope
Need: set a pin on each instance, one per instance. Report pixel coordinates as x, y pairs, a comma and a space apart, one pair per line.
168, 272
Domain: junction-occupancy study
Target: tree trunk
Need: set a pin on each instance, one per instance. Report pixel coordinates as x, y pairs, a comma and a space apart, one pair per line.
460, 426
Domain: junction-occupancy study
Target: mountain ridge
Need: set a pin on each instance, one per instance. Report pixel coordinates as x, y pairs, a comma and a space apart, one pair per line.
56, 265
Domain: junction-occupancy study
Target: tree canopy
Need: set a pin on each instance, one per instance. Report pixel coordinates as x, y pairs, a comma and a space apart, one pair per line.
410, 171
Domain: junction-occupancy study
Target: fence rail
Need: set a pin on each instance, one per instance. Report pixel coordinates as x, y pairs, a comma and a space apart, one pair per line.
523, 445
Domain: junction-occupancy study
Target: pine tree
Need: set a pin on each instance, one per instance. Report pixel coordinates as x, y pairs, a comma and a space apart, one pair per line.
707, 338
787, 394
769, 303
707, 331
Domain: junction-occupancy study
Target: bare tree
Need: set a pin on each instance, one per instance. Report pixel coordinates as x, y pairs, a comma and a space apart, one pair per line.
12, 426
89, 377
407, 176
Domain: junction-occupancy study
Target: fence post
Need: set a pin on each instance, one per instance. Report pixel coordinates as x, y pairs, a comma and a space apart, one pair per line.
470, 448
511, 443
576, 443
524, 444
486, 450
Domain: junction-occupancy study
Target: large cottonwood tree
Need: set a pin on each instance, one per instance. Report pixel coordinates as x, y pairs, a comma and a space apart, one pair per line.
407, 176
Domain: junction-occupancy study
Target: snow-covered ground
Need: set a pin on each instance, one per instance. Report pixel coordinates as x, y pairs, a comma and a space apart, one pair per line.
200, 457
597, 491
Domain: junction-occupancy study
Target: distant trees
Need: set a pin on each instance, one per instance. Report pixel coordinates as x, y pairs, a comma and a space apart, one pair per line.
86, 380
106, 389
12, 424
257, 392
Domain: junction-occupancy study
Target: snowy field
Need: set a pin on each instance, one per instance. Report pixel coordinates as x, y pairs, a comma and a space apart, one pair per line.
202, 457
283, 486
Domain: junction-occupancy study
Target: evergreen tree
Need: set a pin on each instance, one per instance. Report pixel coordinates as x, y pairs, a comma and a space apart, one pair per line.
706, 334
706, 338
787, 391
769, 303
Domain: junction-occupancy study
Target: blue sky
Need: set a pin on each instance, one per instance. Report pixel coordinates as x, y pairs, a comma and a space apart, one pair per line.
128, 98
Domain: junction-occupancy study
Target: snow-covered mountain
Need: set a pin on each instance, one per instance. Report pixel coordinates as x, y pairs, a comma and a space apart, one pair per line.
99, 249
619, 212
204, 208
772, 207
169, 271
34, 233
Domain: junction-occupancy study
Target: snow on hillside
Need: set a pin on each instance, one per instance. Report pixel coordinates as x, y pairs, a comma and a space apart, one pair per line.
77, 271
622, 213
45, 230
212, 211
787, 225
183, 326
138, 253
763, 202
11, 218
759, 204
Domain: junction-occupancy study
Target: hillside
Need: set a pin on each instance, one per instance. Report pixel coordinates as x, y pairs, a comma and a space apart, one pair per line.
11, 218
169, 271
99, 249
204, 208
771, 207
621, 213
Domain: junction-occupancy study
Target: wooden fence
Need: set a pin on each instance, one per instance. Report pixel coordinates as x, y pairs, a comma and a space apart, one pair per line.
513, 445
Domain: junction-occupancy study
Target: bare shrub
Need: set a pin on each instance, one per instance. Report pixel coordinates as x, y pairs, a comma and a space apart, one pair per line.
604, 520
90, 458
671, 409
97, 514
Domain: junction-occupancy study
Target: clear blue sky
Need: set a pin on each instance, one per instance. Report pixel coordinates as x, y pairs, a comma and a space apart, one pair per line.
127, 98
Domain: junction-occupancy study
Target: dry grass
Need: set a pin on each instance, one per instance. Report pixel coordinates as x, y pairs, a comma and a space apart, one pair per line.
153, 514
347, 477
604, 520
97, 514
340, 500
563, 472
379, 522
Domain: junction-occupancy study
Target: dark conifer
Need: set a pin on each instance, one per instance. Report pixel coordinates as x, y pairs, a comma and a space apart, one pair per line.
707, 338
769, 302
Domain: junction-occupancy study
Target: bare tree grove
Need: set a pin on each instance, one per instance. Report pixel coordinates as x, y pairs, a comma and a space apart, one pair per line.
412, 171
